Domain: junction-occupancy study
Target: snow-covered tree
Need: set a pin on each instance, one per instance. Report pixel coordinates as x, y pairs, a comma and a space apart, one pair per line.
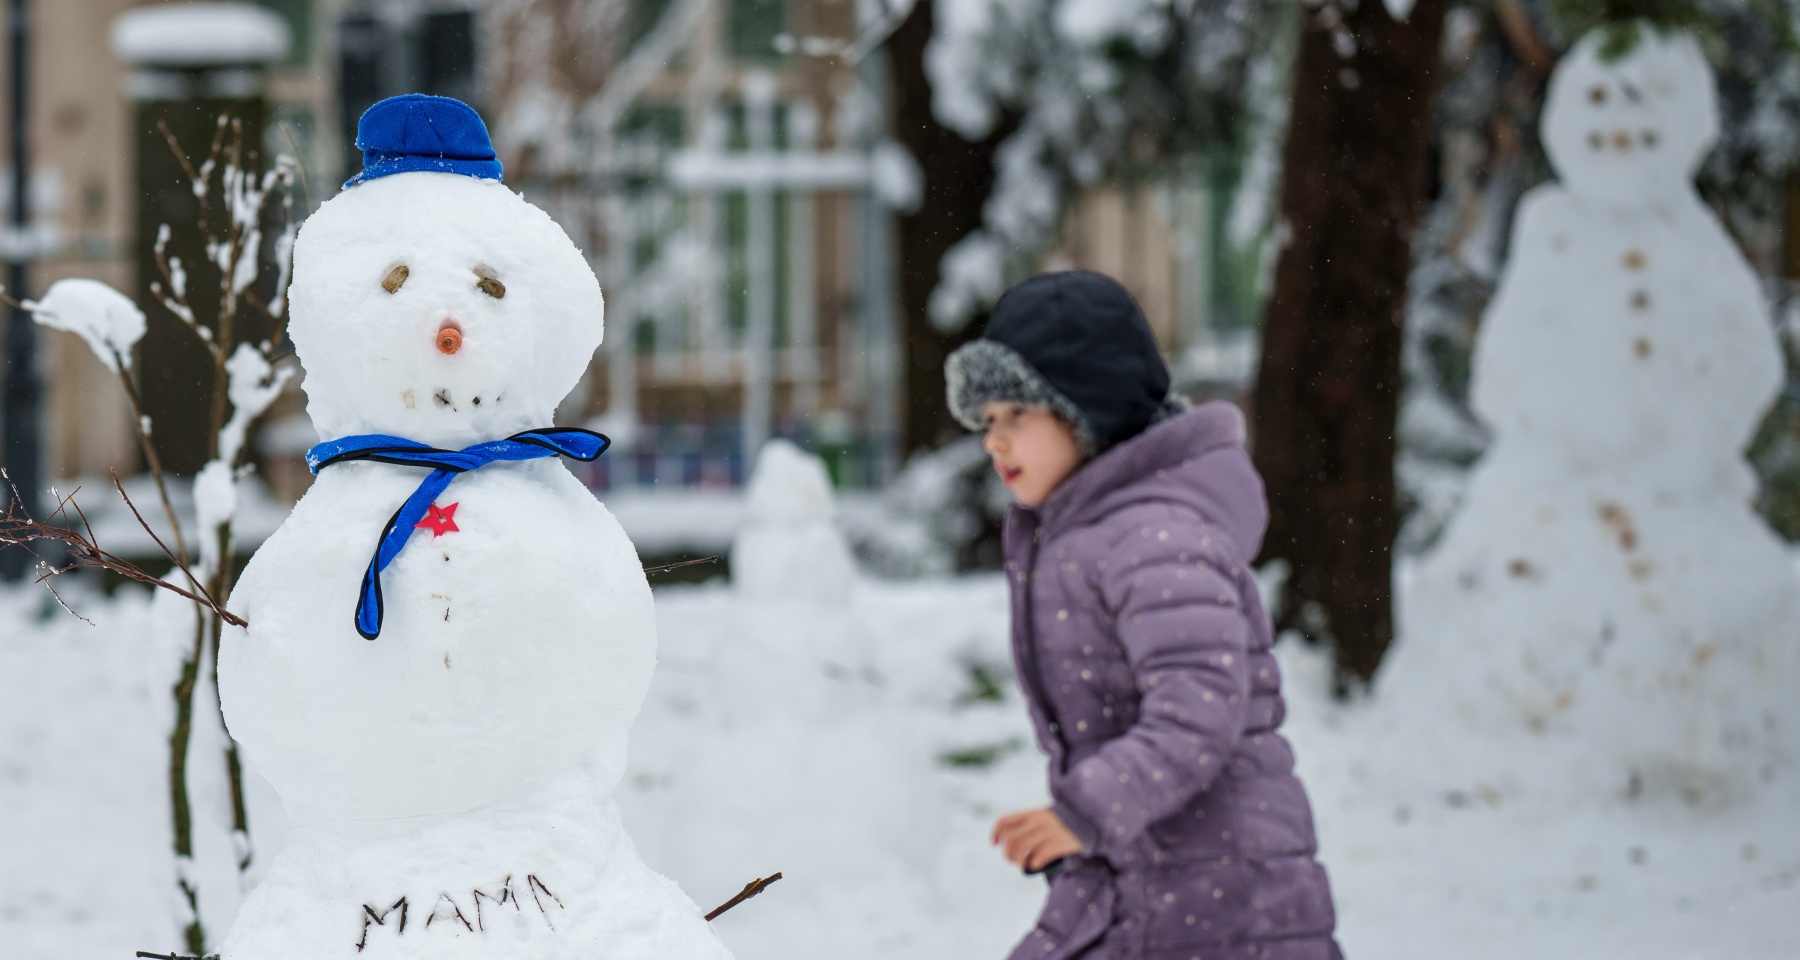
1030, 102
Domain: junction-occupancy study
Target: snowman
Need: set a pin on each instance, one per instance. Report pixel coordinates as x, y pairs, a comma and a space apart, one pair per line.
1606, 574
449, 637
789, 548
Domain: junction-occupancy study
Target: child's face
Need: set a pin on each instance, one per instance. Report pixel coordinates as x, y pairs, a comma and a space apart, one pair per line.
1033, 449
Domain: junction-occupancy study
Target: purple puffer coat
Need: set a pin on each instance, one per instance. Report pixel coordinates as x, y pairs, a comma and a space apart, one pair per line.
1143, 650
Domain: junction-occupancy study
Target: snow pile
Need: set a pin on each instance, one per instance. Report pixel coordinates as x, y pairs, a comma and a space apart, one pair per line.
865, 752
1606, 574
665, 522
861, 746
84, 720
790, 549
107, 319
1444, 839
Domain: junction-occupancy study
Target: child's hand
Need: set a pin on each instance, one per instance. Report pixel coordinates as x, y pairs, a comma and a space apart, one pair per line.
1034, 839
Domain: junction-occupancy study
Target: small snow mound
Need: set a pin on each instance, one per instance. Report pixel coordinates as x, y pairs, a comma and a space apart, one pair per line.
789, 486
107, 319
200, 34
790, 549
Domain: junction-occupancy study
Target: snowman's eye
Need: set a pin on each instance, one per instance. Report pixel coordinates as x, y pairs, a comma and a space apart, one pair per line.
395, 278
491, 286
1597, 95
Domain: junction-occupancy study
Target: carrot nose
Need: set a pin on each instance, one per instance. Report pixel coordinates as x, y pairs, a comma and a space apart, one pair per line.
449, 338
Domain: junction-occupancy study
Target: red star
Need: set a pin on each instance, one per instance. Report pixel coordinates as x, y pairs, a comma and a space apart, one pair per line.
440, 520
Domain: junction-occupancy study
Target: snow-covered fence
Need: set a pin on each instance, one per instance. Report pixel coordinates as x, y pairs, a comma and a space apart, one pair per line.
879, 175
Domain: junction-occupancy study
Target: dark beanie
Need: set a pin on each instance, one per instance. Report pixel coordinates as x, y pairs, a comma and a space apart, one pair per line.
1074, 342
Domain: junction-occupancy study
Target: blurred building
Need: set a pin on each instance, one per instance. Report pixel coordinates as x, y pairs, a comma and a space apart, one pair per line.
723, 162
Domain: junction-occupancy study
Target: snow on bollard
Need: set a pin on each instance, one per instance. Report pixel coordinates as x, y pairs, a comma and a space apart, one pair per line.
790, 549
1605, 577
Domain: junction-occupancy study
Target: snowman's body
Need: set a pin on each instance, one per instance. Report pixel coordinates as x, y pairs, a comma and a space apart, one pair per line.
1606, 572
449, 780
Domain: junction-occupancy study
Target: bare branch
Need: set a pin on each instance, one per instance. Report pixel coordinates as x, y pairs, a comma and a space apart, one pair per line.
179, 562
181, 157
45, 572
751, 889
665, 568
287, 133
141, 427
19, 529
877, 33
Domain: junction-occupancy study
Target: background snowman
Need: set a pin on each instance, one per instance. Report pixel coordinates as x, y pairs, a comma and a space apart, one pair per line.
444, 715
1606, 573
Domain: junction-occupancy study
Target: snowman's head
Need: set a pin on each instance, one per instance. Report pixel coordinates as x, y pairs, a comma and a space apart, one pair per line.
1633, 130
431, 302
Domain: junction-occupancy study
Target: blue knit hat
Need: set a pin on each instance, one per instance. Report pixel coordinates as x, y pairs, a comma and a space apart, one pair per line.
420, 132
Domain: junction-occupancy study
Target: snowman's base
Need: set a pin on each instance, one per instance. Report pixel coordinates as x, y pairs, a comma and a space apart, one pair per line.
554, 879
1657, 634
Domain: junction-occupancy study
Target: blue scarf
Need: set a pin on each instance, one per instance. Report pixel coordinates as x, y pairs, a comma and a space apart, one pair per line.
583, 445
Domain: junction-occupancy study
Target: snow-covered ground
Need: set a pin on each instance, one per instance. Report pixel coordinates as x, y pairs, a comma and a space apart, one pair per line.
858, 747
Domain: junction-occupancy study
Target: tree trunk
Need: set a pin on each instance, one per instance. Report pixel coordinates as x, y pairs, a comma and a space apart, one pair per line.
1353, 183
958, 176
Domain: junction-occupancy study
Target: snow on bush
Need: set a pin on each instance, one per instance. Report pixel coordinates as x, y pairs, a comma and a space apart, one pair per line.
1096, 87
108, 320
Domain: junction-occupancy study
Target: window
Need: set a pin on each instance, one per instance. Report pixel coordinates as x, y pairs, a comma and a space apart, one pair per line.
447, 55
359, 79
299, 17
753, 27
641, 18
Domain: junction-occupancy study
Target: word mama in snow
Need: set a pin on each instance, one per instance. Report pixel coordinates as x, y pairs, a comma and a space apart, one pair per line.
484, 905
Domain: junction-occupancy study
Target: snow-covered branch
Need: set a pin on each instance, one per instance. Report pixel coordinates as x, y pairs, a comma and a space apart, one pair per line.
1099, 88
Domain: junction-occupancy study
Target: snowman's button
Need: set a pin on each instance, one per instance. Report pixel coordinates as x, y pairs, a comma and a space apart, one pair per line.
1642, 348
440, 520
1640, 300
1634, 260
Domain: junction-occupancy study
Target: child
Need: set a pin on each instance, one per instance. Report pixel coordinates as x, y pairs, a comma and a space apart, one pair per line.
1177, 829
